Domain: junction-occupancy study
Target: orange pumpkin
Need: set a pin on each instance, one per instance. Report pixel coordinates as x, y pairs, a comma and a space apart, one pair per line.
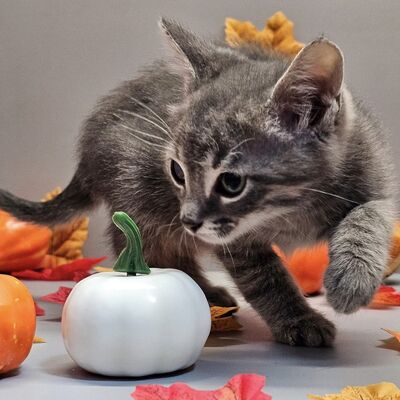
22, 245
17, 322
307, 266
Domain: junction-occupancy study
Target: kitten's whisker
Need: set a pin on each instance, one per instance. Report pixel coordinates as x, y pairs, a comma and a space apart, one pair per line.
172, 223
152, 111
147, 120
330, 194
239, 144
195, 245
143, 133
139, 131
181, 240
130, 132
186, 245
233, 262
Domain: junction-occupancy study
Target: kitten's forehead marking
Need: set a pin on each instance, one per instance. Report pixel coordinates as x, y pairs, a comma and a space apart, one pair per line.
210, 174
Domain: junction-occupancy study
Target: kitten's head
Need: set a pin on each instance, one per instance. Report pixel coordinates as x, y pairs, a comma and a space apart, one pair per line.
251, 133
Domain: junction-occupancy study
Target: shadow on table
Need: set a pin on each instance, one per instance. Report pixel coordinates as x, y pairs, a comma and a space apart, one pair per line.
14, 372
221, 339
64, 367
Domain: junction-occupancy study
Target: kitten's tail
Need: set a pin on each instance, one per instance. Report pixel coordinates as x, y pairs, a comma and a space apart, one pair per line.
73, 201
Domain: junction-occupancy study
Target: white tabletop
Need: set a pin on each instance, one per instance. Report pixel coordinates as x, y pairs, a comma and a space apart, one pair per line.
359, 357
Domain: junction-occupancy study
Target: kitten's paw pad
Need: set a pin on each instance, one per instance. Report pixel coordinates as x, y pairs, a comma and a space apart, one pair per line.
219, 296
351, 287
311, 331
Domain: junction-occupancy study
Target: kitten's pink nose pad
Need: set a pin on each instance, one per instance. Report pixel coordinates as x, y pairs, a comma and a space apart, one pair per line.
192, 224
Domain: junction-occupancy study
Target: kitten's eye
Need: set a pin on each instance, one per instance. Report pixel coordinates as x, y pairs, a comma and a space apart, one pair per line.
230, 185
177, 173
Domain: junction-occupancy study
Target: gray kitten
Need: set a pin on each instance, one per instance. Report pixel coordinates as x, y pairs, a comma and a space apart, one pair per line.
217, 153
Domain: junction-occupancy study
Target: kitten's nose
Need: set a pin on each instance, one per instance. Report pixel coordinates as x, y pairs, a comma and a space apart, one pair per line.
191, 223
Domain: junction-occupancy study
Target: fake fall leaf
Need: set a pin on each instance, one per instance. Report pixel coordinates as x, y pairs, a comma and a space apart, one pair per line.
59, 297
67, 240
386, 296
394, 259
277, 34
73, 271
22, 245
307, 266
379, 391
223, 319
395, 334
240, 387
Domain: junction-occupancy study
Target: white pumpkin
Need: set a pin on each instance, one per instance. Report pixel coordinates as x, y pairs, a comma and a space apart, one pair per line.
120, 325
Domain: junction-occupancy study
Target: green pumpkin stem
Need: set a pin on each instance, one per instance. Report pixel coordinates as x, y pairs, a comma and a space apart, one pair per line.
131, 259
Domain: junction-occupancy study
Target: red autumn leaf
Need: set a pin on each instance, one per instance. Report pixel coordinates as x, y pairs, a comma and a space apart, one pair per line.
39, 311
73, 271
59, 297
386, 296
240, 387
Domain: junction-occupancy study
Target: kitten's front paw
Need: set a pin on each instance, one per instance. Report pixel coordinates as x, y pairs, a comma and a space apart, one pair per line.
311, 330
350, 284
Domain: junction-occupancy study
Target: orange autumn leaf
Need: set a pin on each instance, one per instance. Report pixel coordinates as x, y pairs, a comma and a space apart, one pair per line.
394, 258
307, 266
395, 334
22, 245
67, 240
386, 296
277, 34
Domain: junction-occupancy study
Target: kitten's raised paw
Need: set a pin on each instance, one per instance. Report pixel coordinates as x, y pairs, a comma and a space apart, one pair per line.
311, 331
219, 296
349, 289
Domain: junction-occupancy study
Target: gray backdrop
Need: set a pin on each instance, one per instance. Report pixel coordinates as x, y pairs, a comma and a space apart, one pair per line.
57, 57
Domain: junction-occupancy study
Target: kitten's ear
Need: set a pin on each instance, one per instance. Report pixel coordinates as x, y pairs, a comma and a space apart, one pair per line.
192, 57
310, 89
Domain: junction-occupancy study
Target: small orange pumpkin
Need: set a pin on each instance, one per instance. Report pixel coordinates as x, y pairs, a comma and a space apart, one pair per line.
17, 323
22, 245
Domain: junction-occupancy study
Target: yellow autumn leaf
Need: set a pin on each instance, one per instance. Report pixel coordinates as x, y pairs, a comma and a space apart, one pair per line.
223, 320
379, 391
67, 241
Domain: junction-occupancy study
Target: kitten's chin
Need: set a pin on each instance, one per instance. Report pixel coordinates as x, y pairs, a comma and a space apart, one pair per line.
215, 240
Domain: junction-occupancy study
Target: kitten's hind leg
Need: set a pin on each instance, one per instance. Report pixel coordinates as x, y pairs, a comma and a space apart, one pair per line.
358, 252
268, 287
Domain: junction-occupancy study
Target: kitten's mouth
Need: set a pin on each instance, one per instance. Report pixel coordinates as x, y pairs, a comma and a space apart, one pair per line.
221, 235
